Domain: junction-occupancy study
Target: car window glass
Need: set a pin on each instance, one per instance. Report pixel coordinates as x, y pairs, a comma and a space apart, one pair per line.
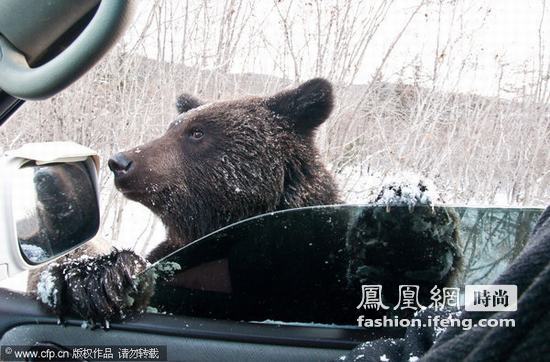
308, 265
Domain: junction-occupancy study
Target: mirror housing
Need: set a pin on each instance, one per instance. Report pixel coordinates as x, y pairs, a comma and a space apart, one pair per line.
49, 203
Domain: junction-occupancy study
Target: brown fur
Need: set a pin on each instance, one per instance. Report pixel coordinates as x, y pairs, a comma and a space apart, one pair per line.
256, 155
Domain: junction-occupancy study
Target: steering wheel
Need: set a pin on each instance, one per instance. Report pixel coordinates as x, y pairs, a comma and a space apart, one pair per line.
22, 27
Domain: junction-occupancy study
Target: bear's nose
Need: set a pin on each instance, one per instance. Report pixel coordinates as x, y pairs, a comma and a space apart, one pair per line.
119, 164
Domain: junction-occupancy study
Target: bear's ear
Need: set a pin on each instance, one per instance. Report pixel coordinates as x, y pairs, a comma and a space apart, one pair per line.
307, 105
186, 102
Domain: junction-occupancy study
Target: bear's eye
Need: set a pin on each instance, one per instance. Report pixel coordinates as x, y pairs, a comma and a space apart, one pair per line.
197, 134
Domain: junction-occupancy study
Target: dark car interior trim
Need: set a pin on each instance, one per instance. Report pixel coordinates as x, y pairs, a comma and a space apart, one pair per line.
17, 309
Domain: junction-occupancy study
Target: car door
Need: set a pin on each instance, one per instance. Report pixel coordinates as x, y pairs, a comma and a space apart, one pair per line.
275, 289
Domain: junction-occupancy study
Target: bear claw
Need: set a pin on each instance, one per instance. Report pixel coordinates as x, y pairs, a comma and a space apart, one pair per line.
97, 289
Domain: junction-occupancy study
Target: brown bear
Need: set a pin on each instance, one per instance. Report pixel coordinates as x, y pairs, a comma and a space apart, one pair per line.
216, 164
221, 162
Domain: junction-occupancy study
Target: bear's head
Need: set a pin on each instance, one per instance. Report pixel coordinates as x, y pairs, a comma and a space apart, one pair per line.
224, 161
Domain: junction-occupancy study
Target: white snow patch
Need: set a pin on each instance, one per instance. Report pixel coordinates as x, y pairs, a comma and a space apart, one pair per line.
34, 253
306, 324
168, 267
413, 359
400, 189
165, 269
384, 358
46, 291
407, 189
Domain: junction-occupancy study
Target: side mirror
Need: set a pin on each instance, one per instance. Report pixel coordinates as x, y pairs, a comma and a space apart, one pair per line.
48, 203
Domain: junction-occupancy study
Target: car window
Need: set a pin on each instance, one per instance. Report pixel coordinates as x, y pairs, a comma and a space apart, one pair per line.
308, 264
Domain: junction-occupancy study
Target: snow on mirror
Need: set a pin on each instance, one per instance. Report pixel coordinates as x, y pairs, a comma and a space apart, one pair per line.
55, 208
308, 265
